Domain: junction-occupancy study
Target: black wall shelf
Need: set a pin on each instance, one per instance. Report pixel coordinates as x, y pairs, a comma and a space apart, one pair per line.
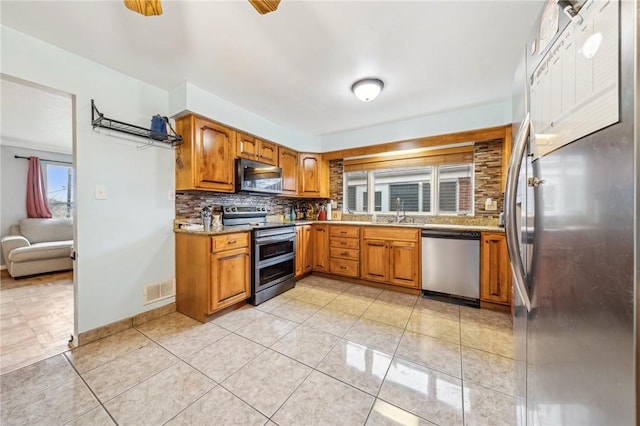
99, 120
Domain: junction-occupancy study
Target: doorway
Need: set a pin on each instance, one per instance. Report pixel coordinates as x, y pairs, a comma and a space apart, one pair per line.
37, 312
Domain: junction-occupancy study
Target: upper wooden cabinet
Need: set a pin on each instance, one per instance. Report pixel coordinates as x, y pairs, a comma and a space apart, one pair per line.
255, 149
313, 175
495, 271
288, 162
204, 161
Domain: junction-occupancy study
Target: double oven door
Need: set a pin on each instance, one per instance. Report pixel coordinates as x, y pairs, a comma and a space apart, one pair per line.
273, 257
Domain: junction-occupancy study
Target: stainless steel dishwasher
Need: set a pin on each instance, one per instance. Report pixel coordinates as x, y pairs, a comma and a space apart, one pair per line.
451, 265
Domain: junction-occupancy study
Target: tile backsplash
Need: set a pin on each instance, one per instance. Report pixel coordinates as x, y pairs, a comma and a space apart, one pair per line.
190, 203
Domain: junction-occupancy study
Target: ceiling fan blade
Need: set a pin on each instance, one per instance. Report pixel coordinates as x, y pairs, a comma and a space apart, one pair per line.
145, 7
264, 6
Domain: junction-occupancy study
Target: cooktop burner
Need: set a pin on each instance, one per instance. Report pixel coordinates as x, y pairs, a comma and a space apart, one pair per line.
255, 216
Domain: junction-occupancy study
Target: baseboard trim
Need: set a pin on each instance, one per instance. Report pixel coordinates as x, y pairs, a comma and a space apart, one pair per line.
118, 326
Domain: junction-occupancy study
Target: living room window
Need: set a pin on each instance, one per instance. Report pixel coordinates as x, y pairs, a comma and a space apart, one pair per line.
434, 183
59, 178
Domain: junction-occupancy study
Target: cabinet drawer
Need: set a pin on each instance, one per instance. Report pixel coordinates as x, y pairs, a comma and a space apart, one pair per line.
347, 243
345, 267
344, 231
344, 253
229, 241
391, 233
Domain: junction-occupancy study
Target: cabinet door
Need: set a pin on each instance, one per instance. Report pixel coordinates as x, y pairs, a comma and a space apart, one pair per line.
320, 248
230, 278
247, 147
289, 165
495, 276
304, 250
299, 251
214, 156
404, 264
267, 152
313, 176
375, 260
307, 239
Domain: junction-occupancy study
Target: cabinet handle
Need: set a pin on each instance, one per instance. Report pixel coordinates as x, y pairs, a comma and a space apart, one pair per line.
231, 242
343, 267
343, 232
343, 243
344, 253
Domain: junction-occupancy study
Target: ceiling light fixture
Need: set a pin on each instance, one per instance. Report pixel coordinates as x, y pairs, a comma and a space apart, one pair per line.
367, 89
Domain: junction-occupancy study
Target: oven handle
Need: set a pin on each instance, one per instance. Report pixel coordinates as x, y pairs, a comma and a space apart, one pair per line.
275, 240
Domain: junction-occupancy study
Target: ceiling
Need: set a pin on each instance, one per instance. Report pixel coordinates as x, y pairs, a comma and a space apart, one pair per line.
35, 117
295, 66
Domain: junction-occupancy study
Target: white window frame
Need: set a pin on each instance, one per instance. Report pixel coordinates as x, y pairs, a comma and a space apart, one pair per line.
434, 195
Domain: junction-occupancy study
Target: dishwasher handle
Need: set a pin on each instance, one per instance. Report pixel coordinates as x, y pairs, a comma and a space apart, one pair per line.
450, 234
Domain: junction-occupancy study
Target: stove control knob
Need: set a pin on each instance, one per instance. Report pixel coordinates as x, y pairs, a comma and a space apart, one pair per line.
234, 209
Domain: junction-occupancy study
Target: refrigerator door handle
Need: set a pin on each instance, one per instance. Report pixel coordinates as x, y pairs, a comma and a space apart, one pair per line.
510, 210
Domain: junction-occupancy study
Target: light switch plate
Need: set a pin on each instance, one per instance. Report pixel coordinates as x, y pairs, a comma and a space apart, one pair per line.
101, 192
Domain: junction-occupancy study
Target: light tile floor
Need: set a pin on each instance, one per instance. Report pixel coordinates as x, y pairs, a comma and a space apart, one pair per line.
324, 353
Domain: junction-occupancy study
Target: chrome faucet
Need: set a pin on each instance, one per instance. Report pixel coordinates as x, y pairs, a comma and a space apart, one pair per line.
404, 213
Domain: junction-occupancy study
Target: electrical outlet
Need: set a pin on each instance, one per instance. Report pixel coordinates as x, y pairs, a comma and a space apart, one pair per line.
101, 192
171, 195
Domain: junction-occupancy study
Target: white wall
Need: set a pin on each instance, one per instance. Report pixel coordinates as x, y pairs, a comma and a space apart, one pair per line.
13, 184
189, 97
459, 120
126, 241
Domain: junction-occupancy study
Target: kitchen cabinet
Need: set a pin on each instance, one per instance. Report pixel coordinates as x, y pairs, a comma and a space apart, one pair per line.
313, 176
212, 272
288, 162
255, 149
344, 250
205, 160
391, 255
320, 237
304, 250
495, 271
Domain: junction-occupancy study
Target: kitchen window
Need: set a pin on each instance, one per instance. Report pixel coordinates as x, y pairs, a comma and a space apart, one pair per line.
436, 185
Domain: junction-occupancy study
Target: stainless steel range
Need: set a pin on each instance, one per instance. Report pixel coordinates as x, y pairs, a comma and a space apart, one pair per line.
273, 255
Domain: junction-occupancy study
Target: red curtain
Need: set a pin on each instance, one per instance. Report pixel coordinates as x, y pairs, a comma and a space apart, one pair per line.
37, 204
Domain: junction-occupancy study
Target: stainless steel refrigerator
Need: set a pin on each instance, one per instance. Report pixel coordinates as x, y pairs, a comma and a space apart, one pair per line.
571, 206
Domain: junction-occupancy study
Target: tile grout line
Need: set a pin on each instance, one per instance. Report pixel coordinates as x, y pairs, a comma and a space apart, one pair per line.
101, 404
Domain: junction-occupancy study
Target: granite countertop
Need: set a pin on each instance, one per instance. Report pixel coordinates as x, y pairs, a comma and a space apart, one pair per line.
246, 228
407, 225
217, 231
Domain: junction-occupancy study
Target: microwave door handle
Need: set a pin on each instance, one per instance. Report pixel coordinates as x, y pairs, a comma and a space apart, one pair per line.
511, 224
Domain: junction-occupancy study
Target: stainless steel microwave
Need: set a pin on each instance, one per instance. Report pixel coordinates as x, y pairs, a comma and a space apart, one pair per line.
252, 176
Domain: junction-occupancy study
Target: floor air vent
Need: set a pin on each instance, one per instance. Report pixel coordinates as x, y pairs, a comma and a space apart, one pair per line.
158, 291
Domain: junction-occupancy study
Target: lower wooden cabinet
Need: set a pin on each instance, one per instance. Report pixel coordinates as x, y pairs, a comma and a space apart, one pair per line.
304, 250
391, 255
320, 237
495, 271
212, 272
344, 250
